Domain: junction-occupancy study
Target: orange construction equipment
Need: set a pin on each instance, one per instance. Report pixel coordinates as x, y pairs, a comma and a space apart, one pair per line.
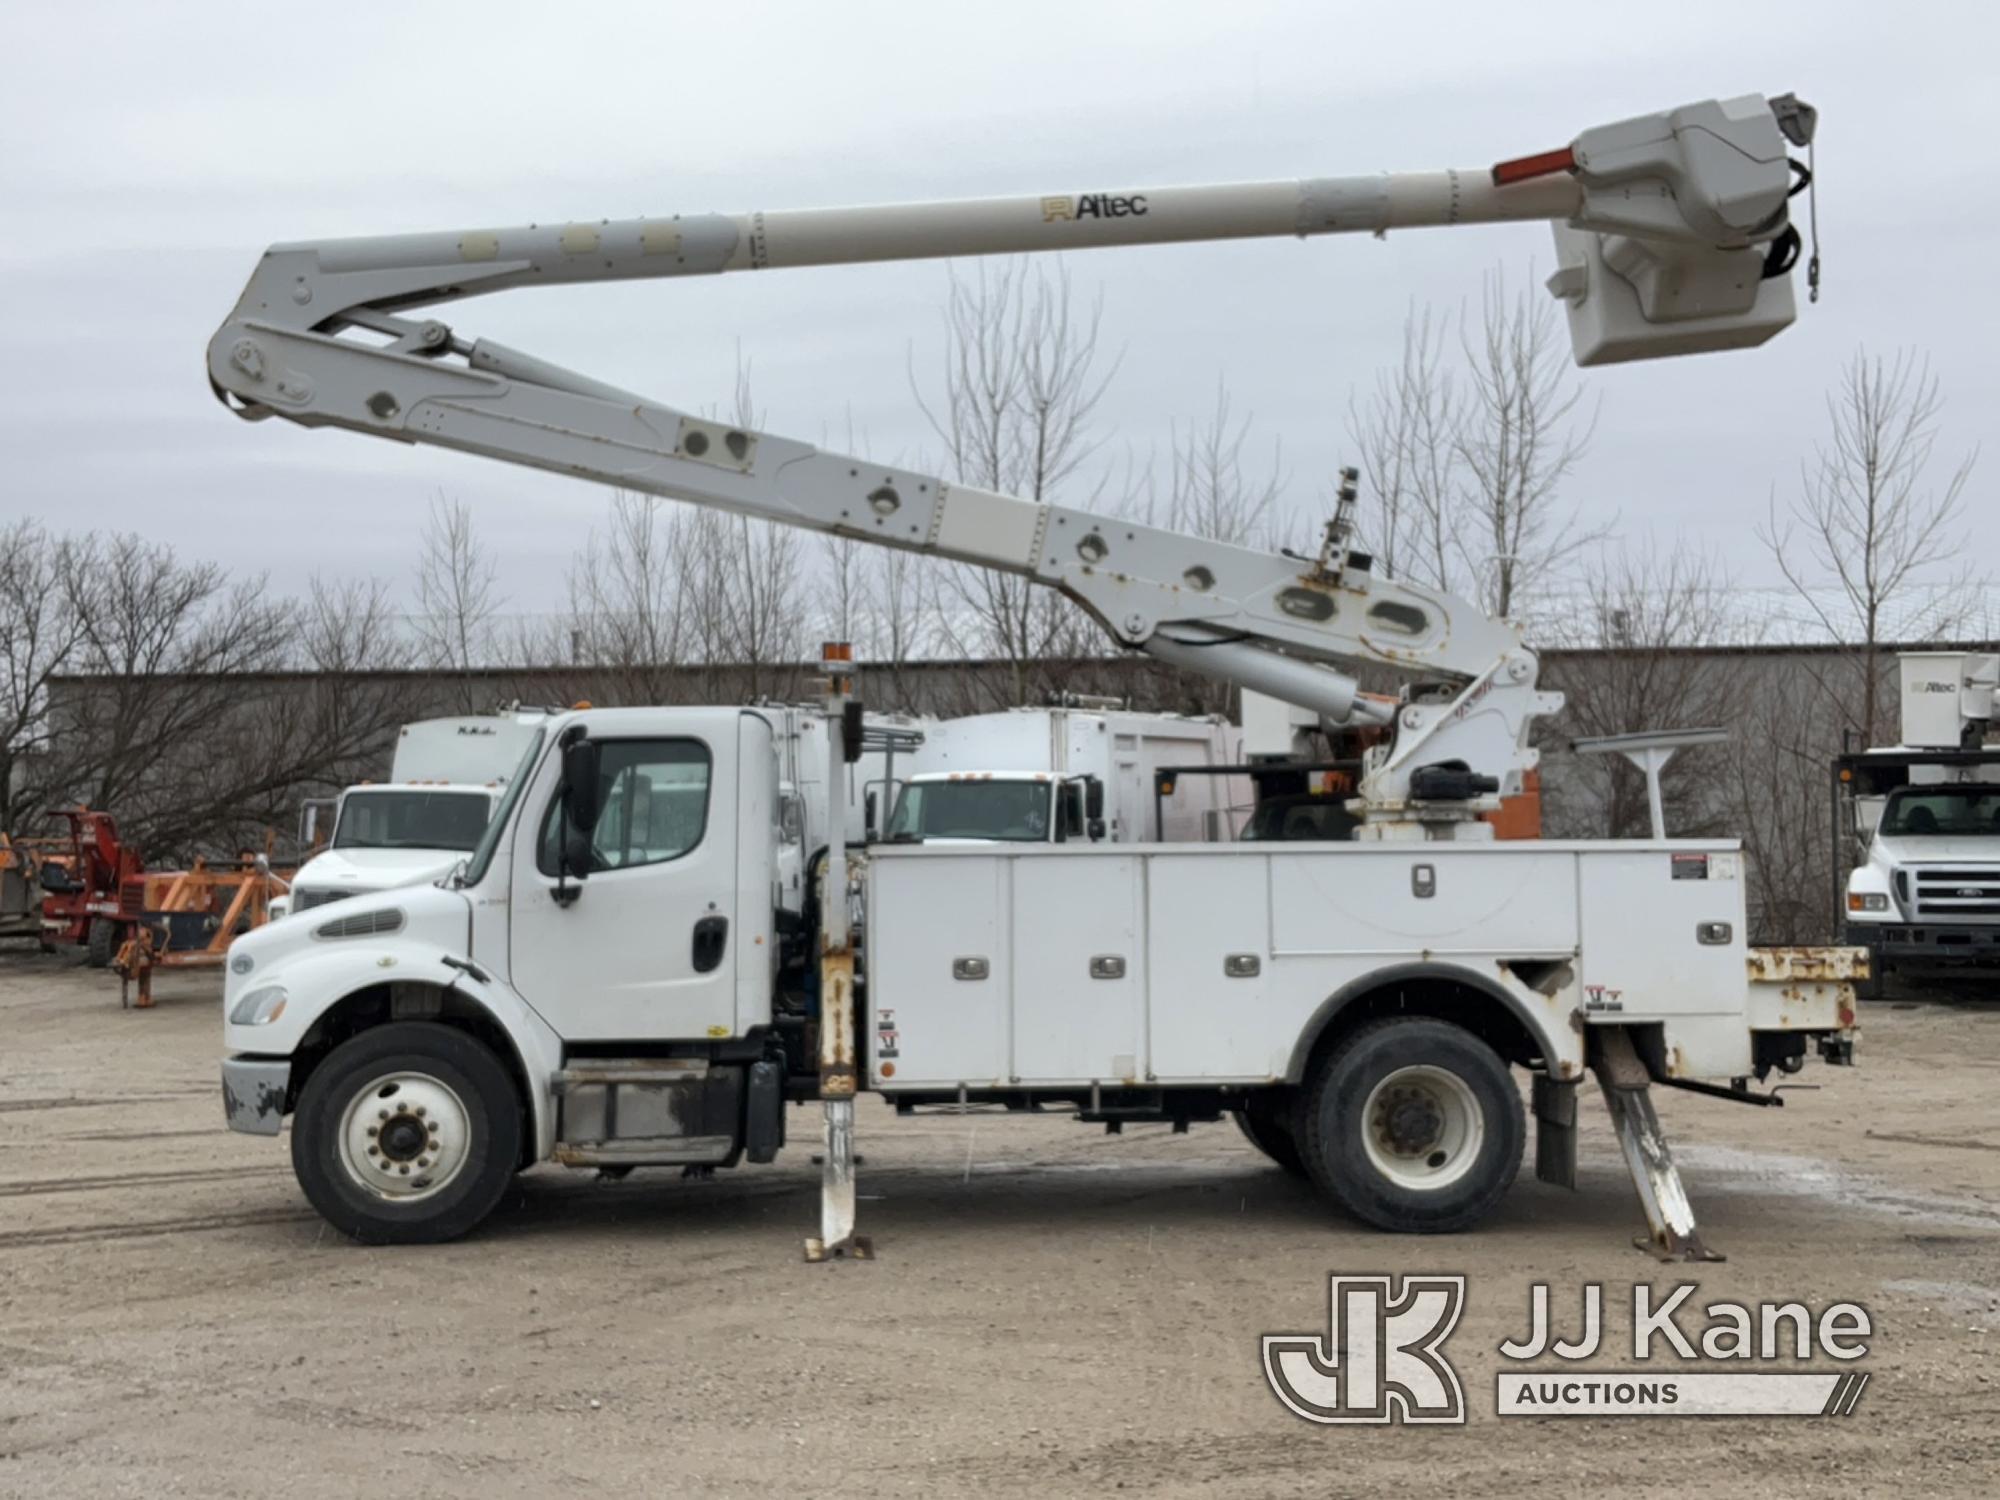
188, 918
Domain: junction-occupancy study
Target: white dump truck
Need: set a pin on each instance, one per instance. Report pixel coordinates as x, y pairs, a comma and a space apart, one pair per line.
1052, 775
1925, 901
598, 984
445, 778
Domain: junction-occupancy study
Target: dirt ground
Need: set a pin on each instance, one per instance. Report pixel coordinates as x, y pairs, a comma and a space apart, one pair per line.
1052, 1310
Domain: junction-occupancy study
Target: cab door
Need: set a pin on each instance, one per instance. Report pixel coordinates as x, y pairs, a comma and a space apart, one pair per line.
643, 948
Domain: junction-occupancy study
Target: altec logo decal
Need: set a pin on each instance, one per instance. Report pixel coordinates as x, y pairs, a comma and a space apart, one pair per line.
1382, 1359
1094, 206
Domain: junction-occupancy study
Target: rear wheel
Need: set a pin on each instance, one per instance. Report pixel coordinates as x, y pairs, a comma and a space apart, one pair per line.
408, 1134
1267, 1127
101, 944
1413, 1124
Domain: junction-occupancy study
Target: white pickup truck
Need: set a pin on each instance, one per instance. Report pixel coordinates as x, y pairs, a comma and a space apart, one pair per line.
445, 779
597, 988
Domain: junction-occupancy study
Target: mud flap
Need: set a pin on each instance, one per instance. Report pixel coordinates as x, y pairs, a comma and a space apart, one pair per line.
1628, 1095
1555, 1130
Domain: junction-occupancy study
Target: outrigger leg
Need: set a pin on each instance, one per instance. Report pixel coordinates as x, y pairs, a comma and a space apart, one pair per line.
837, 1059
1628, 1095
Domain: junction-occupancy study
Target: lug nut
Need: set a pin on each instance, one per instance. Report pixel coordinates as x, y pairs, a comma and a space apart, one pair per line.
420, 1111
374, 1151
381, 1114
404, 1169
372, 1129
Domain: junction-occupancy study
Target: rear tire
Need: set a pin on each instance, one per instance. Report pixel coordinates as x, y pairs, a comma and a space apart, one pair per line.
1413, 1125
101, 944
407, 1135
1267, 1128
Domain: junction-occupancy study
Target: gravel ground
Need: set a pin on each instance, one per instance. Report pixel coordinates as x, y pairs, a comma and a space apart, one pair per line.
1052, 1310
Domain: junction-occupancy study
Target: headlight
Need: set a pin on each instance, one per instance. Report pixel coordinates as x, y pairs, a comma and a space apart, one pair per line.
1867, 901
260, 1007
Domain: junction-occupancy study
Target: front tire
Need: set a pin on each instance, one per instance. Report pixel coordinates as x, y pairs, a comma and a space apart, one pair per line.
1413, 1125
408, 1134
101, 942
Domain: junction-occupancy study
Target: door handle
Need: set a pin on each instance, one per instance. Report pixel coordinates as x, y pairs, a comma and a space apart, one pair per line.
711, 938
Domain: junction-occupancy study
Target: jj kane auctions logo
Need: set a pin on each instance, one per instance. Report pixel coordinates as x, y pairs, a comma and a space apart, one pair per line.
1382, 1358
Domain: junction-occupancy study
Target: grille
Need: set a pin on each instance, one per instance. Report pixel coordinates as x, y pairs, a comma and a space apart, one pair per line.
307, 900
364, 924
1951, 893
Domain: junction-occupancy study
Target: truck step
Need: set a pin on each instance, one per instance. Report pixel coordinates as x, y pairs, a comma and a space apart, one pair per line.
598, 1073
663, 1151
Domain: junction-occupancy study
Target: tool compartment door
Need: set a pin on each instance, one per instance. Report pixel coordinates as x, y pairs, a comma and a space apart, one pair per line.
1079, 968
1644, 910
938, 965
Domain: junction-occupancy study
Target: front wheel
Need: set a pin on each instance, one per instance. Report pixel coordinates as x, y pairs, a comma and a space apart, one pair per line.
408, 1134
1414, 1125
101, 942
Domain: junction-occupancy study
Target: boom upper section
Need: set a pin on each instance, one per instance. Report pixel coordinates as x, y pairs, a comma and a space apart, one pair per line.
1672, 233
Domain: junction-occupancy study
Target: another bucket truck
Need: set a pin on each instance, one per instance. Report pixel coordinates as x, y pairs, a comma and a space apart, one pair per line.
1925, 901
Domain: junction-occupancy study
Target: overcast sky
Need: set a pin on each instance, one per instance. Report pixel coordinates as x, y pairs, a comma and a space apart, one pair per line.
149, 152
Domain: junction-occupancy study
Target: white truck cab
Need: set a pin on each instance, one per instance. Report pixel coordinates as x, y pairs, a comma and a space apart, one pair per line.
446, 777
1084, 771
1925, 900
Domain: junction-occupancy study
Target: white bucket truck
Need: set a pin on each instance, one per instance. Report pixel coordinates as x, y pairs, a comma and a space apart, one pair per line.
598, 985
445, 779
1084, 772
1925, 901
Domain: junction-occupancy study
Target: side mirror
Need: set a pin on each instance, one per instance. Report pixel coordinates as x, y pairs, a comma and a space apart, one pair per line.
314, 829
581, 791
1093, 800
1097, 829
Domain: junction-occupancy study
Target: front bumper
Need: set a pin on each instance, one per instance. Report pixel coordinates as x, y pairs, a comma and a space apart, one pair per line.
253, 1093
1927, 945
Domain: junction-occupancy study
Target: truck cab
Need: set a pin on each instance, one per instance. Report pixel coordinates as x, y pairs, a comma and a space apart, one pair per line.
1079, 770
1925, 898
997, 807
445, 780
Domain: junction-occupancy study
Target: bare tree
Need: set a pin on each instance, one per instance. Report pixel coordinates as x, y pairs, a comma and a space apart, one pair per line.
1870, 525
1406, 431
628, 607
1016, 412
196, 709
1626, 659
457, 598
38, 641
903, 587
1212, 491
1467, 464
1519, 436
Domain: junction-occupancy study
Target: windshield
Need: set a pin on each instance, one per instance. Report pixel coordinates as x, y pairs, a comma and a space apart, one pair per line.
482, 856
1014, 812
1942, 812
408, 819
